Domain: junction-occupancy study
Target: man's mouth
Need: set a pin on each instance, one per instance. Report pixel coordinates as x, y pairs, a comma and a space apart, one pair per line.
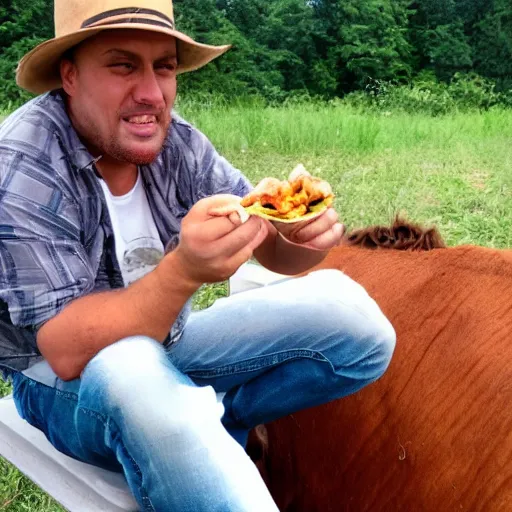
146, 119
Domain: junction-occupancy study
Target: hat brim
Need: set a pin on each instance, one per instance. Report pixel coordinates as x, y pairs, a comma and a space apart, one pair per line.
38, 71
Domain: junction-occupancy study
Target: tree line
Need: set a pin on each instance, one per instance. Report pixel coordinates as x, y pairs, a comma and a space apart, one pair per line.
324, 48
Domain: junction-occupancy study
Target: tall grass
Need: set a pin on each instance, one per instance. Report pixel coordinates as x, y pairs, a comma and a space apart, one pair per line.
317, 128
451, 170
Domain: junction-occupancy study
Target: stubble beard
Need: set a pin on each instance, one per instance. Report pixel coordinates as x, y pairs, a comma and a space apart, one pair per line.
115, 150
110, 145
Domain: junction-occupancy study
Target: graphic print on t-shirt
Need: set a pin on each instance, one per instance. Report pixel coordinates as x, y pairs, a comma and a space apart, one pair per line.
138, 245
141, 255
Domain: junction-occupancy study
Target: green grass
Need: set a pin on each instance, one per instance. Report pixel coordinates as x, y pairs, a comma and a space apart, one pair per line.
453, 171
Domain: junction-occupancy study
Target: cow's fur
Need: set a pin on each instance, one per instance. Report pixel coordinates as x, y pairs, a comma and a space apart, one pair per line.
435, 432
401, 235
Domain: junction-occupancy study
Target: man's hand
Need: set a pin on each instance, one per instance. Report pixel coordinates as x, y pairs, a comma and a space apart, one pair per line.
212, 245
321, 234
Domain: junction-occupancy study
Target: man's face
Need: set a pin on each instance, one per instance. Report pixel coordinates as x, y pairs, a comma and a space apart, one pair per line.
121, 88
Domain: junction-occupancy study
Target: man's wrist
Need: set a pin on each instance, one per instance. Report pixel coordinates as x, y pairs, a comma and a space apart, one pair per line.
171, 272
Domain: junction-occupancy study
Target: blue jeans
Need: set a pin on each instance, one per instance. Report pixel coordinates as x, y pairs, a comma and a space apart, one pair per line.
152, 412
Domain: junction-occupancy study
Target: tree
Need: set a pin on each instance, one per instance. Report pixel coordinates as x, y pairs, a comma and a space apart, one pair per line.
321, 47
437, 32
23, 25
286, 32
248, 68
25, 18
364, 40
493, 43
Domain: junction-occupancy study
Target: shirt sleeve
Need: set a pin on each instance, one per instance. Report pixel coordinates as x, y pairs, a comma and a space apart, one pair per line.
43, 262
214, 174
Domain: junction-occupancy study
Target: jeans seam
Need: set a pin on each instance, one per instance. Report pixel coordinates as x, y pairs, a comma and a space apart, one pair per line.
146, 500
107, 421
68, 395
320, 358
257, 363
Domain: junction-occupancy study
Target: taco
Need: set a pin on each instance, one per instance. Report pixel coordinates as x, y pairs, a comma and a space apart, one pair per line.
301, 197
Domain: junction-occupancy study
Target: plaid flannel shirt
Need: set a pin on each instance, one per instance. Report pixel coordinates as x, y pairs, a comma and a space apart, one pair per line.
56, 238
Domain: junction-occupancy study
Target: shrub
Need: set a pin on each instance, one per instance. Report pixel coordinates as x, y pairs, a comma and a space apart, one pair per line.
429, 96
11, 96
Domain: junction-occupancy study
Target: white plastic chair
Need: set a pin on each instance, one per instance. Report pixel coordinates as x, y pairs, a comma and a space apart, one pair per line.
77, 486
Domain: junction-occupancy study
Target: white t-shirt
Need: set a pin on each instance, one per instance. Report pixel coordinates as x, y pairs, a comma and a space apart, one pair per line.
138, 245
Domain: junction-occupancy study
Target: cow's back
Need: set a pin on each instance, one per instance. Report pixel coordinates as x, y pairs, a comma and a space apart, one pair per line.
435, 432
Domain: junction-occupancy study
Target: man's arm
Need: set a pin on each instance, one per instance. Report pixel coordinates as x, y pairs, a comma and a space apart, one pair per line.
148, 307
210, 250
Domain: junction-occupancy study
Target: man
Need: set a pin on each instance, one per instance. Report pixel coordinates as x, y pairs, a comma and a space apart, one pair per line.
97, 180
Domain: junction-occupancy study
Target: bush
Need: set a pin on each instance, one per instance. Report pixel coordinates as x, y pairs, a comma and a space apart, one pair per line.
11, 96
429, 96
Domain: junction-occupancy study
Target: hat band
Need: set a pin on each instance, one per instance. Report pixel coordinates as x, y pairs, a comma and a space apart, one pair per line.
104, 17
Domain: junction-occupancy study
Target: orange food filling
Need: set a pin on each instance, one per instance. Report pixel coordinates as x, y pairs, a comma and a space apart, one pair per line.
289, 199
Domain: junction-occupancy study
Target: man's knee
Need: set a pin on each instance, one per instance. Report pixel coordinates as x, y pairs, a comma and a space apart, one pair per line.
134, 378
346, 308
132, 354
129, 360
122, 368
383, 342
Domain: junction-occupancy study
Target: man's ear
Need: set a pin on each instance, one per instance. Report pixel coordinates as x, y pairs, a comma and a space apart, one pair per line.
68, 74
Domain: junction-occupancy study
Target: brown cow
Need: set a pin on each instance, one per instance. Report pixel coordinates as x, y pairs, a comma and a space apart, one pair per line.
434, 433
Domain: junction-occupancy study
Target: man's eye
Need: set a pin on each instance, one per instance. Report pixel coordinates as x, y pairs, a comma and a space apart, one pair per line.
167, 67
122, 65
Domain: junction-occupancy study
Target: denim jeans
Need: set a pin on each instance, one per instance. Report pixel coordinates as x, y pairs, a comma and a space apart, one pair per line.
154, 413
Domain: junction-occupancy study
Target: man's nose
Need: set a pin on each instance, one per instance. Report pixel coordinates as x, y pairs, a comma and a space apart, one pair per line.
148, 89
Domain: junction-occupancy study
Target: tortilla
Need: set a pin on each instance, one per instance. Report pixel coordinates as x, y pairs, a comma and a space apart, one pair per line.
300, 198
270, 214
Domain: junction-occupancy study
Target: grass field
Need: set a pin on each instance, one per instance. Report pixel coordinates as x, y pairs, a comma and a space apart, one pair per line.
452, 171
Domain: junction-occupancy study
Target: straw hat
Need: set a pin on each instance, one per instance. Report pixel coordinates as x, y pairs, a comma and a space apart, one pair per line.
77, 20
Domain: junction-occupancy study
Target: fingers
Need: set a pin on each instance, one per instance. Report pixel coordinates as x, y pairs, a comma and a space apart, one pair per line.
217, 216
222, 224
212, 229
235, 212
244, 232
244, 254
219, 237
214, 242
328, 239
260, 236
247, 236
305, 233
